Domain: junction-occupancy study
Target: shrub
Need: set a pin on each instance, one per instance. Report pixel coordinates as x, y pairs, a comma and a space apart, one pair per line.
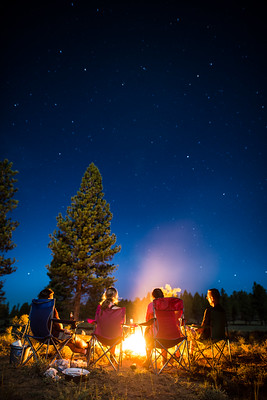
213, 394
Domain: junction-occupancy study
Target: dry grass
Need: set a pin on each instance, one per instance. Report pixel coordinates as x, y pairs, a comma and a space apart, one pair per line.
245, 378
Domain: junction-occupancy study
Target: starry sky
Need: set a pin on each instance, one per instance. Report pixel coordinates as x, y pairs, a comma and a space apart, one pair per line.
168, 100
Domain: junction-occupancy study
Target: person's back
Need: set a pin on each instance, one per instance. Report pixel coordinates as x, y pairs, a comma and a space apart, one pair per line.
109, 322
108, 307
214, 320
218, 322
168, 311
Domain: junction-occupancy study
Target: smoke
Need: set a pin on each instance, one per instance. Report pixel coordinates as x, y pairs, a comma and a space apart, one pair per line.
176, 255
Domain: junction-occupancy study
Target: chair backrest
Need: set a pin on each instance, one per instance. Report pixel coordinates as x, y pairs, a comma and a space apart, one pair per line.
41, 312
167, 311
218, 324
109, 322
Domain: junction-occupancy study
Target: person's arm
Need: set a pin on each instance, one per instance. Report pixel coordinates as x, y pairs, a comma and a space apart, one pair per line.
149, 312
206, 318
205, 324
57, 325
179, 311
97, 312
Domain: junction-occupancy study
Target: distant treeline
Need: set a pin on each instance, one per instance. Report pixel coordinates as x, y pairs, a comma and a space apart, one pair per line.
239, 306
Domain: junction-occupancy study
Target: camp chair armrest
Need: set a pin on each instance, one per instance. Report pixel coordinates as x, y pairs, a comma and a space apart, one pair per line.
148, 323
130, 325
66, 322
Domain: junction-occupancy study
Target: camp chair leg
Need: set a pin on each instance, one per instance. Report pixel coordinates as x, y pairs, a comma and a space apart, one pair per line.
91, 352
120, 357
220, 352
58, 349
184, 354
198, 353
177, 356
188, 355
34, 351
51, 342
217, 349
154, 356
111, 359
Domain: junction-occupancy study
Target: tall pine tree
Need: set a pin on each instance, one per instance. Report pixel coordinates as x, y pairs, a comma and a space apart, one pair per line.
7, 226
83, 245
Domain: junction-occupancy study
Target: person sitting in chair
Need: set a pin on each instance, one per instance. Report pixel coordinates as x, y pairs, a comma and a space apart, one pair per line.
149, 331
76, 344
213, 297
109, 300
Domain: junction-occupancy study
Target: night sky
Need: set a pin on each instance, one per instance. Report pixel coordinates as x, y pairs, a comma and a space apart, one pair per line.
169, 102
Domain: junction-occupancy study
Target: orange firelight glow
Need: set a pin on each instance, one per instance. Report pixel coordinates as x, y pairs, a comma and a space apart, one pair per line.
135, 343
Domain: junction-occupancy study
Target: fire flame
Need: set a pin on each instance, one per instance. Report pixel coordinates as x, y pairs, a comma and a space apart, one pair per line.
135, 343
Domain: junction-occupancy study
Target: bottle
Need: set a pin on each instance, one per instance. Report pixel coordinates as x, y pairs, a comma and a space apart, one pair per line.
132, 328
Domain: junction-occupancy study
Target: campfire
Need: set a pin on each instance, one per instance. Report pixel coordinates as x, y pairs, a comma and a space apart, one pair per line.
135, 343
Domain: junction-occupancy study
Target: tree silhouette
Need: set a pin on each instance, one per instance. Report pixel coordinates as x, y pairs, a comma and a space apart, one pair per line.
83, 245
259, 299
7, 227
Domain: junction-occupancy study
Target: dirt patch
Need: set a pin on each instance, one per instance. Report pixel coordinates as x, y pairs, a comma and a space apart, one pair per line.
245, 378
29, 383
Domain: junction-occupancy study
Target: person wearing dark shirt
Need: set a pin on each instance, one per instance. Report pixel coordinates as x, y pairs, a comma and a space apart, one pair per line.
213, 297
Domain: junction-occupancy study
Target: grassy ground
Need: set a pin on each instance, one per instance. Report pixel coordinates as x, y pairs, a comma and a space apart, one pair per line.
245, 378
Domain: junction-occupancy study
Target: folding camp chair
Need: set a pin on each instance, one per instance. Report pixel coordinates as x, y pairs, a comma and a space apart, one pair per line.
212, 350
41, 323
167, 335
107, 335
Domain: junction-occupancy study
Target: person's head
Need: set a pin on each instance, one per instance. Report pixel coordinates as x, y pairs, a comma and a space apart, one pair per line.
157, 293
213, 296
110, 296
46, 294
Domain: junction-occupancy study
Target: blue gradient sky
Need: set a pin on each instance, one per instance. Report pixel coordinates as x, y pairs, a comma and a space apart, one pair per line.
169, 102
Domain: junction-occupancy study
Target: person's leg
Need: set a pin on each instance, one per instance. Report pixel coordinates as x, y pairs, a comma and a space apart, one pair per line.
112, 354
78, 345
148, 339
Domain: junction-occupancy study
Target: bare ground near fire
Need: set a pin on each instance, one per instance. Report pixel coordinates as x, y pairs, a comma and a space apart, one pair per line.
28, 383
244, 378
